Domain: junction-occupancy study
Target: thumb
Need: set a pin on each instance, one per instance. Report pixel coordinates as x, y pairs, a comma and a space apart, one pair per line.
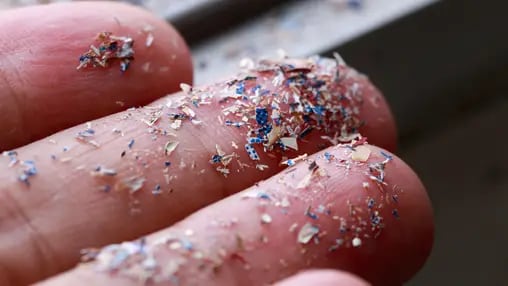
323, 278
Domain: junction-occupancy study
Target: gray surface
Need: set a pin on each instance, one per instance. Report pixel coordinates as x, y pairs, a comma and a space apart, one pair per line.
464, 168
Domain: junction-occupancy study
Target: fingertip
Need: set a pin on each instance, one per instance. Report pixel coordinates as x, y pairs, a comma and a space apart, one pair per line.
38, 78
323, 278
402, 251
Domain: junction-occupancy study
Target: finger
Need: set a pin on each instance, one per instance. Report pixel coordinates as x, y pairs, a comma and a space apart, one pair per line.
146, 181
42, 92
303, 218
323, 278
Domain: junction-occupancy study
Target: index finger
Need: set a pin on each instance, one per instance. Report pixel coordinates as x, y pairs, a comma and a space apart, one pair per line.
40, 90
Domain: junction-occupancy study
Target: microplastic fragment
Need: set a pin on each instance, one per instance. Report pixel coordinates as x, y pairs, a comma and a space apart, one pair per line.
252, 152
307, 232
186, 88
387, 156
356, 242
266, 218
156, 190
176, 124
261, 167
131, 143
290, 142
149, 39
361, 153
134, 183
102, 171
395, 213
110, 48
170, 147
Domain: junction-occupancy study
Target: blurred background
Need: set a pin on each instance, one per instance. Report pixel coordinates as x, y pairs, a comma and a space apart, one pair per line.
442, 65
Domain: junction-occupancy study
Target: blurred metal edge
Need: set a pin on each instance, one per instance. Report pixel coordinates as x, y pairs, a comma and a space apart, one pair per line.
211, 17
436, 64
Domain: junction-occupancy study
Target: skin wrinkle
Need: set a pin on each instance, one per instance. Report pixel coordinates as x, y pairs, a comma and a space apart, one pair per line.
16, 97
42, 250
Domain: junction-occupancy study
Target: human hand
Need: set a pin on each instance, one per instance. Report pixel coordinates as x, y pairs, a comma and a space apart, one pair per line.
128, 177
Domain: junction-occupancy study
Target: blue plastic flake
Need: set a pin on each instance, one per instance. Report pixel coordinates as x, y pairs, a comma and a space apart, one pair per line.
375, 219
83, 58
265, 129
264, 196
187, 244
312, 215
175, 116
252, 152
290, 162
113, 46
86, 133
131, 143
236, 124
65, 148
256, 88
328, 156
216, 158
254, 140
124, 65
167, 164
387, 156
319, 110
395, 213
30, 170
261, 116
240, 87
157, 189
371, 203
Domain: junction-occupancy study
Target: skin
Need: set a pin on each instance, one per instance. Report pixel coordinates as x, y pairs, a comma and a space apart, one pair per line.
45, 226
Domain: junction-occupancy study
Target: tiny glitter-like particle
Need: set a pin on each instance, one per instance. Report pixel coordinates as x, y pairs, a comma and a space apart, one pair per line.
289, 142
157, 189
252, 152
387, 156
395, 213
186, 88
131, 143
170, 147
102, 171
356, 242
266, 218
306, 233
134, 184
360, 154
149, 40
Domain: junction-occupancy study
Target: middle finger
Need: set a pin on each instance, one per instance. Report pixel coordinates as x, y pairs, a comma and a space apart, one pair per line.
138, 171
